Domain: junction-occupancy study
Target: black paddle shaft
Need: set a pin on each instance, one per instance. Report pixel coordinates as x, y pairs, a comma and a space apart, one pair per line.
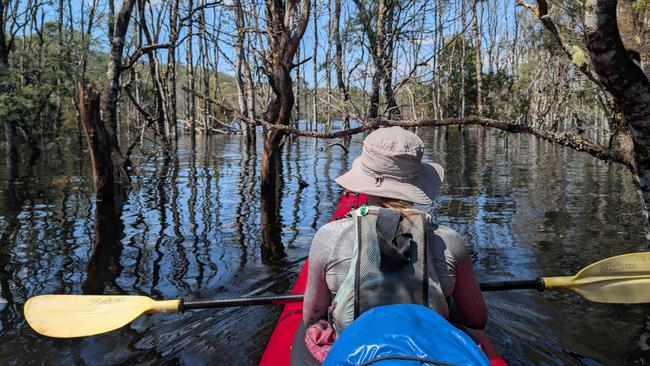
240, 301
537, 284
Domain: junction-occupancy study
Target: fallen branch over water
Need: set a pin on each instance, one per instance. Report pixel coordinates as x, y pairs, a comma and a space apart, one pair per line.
573, 141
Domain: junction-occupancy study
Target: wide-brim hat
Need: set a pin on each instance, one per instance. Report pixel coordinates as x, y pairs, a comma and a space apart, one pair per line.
390, 166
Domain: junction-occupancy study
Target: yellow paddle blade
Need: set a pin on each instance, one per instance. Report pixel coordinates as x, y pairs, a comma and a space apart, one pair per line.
624, 279
69, 316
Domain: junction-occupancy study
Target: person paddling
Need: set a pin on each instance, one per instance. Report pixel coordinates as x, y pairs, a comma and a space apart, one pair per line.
388, 251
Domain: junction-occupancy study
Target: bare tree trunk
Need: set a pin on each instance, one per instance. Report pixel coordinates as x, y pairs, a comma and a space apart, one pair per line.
479, 61
283, 38
463, 38
191, 98
314, 117
171, 72
298, 89
435, 78
205, 69
99, 142
104, 262
244, 79
328, 68
59, 98
338, 64
391, 34
117, 34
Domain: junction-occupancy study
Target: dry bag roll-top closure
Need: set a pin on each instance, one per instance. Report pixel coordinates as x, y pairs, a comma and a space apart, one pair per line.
388, 264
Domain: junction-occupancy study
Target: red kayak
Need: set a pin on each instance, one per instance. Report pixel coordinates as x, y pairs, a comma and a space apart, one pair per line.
278, 350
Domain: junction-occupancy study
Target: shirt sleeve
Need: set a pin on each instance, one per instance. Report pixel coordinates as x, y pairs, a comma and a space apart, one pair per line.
317, 294
467, 294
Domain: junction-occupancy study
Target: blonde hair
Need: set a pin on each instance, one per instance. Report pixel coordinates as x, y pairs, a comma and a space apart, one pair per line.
395, 204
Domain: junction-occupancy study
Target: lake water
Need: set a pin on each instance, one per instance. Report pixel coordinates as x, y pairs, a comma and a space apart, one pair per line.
190, 228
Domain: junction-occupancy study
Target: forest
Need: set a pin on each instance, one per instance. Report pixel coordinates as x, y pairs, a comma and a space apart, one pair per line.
134, 81
163, 69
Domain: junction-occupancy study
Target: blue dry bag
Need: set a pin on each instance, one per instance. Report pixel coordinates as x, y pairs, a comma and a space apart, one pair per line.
393, 334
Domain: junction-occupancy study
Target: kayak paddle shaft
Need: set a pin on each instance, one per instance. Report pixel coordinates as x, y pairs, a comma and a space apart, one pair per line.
240, 301
537, 284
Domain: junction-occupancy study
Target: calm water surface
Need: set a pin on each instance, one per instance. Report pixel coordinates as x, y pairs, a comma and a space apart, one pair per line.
190, 228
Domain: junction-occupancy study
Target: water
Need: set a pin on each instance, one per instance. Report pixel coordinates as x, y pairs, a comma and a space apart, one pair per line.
190, 228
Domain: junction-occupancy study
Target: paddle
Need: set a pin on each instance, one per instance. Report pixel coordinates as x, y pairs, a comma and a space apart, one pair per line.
623, 279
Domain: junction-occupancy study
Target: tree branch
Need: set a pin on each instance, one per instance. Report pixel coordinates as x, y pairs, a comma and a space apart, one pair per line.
541, 12
143, 51
576, 142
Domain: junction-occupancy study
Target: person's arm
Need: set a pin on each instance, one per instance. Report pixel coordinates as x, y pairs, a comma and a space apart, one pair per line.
317, 294
467, 295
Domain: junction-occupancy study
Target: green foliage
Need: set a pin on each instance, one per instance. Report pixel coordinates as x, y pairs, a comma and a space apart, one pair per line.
451, 77
497, 95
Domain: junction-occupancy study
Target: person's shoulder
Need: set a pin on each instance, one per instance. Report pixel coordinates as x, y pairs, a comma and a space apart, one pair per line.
334, 228
452, 239
337, 226
327, 236
446, 232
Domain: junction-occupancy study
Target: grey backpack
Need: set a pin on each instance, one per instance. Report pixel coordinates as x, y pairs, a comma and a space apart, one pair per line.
388, 264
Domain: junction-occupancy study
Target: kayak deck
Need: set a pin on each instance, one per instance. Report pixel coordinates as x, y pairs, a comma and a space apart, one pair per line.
278, 349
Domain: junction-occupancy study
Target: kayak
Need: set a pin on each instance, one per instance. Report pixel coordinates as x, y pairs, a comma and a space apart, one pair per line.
278, 349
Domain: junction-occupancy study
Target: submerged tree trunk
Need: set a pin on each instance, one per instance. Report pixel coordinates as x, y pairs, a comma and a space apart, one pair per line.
104, 262
98, 141
284, 35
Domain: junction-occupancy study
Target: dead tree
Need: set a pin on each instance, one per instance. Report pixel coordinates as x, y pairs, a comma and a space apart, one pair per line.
117, 29
338, 64
283, 37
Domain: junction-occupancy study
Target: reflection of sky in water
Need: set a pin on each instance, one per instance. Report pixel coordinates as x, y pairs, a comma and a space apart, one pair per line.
191, 228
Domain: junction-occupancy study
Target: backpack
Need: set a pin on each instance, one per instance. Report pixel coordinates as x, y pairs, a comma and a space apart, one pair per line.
388, 265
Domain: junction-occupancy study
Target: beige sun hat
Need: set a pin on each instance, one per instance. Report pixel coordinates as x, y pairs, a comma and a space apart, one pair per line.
391, 166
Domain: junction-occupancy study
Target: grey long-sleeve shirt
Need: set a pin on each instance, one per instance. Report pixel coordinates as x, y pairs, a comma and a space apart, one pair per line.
448, 262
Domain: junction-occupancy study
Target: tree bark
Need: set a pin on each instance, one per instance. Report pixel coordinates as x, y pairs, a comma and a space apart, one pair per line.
478, 60
338, 64
117, 34
99, 142
170, 72
244, 78
191, 101
625, 80
328, 68
314, 116
283, 38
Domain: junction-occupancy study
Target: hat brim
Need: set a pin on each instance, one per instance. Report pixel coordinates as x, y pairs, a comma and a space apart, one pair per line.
422, 190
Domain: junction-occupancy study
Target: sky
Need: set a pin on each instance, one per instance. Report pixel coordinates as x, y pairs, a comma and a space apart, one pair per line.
501, 10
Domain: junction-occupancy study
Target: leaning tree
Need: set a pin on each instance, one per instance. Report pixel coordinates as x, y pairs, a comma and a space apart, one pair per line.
617, 39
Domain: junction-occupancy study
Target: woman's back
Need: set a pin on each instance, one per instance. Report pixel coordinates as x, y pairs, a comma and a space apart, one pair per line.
332, 249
